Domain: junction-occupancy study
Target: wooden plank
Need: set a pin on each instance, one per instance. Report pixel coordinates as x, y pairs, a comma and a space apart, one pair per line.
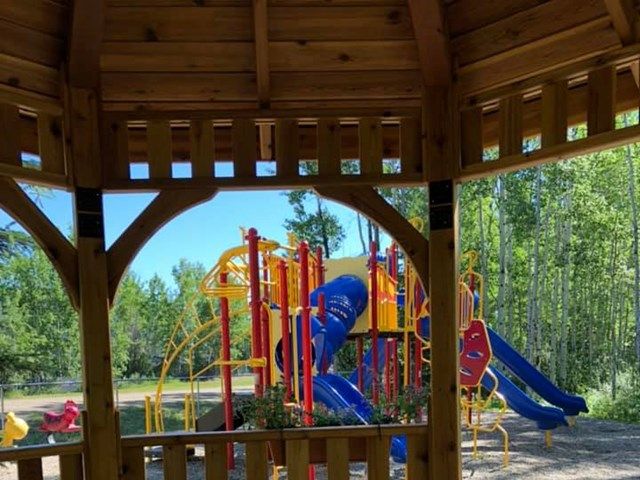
343, 56
511, 125
345, 85
471, 131
133, 463
30, 469
537, 58
524, 27
45, 16
328, 145
370, 133
265, 132
554, 113
116, 149
287, 148
159, 147
177, 57
625, 19
201, 136
29, 79
174, 462
9, 135
601, 100
261, 41
344, 23
410, 146
466, 15
71, 467
179, 24
244, 148
178, 87
338, 458
215, 461
378, 458
297, 453
257, 465
556, 153
28, 44
432, 38
51, 143
417, 457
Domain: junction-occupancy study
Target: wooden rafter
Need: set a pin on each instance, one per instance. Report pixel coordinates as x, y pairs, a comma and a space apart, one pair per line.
625, 19
260, 18
87, 29
163, 208
429, 26
370, 203
57, 248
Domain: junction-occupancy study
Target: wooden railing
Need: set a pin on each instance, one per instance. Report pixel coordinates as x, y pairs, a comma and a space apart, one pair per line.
294, 449
29, 460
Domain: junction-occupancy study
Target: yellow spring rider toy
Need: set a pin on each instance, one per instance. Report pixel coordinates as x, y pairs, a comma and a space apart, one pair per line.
15, 429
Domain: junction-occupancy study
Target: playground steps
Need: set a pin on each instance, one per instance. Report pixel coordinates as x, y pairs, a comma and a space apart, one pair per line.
213, 420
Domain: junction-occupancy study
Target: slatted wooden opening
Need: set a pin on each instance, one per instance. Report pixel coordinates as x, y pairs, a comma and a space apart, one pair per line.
38, 132
272, 152
29, 461
544, 114
291, 450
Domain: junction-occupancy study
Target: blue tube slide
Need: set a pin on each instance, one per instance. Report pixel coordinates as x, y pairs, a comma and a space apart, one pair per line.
547, 418
570, 404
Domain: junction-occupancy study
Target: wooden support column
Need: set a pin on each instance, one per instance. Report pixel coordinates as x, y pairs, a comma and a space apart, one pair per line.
100, 430
441, 153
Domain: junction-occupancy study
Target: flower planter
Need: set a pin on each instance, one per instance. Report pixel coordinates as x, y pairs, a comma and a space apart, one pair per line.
318, 450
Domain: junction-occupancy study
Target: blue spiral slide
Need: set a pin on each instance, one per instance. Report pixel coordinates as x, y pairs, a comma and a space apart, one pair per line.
345, 300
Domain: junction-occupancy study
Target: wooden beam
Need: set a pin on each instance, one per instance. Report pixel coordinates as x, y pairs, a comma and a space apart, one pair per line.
563, 151
625, 19
87, 29
167, 205
471, 132
441, 152
601, 114
260, 28
554, 113
511, 125
10, 135
370, 203
58, 249
287, 148
431, 34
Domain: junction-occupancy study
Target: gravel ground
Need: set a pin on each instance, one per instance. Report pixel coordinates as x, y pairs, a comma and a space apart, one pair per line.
592, 450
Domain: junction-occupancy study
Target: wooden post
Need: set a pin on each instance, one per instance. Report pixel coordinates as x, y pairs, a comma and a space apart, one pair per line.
100, 430
440, 135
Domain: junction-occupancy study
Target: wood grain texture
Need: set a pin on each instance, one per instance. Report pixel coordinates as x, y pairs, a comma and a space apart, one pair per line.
160, 148
378, 458
554, 114
133, 463
329, 145
10, 152
471, 136
434, 50
417, 457
256, 461
370, 133
261, 41
23, 76
297, 453
116, 149
201, 135
45, 16
467, 15
25, 43
71, 467
244, 140
215, 461
287, 148
30, 469
511, 125
174, 462
338, 458
625, 19
51, 143
601, 97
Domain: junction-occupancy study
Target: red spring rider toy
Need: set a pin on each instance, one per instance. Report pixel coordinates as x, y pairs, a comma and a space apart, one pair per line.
64, 422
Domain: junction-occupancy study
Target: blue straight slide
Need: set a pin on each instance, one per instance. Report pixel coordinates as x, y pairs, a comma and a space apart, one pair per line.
571, 405
547, 418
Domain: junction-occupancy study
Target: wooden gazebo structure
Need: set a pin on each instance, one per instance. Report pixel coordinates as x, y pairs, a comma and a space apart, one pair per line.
95, 86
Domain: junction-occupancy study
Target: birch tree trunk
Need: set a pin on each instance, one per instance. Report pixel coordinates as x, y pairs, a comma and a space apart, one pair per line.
634, 233
566, 267
532, 306
502, 256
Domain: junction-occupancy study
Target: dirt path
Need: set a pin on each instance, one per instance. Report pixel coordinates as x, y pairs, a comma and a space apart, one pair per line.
592, 450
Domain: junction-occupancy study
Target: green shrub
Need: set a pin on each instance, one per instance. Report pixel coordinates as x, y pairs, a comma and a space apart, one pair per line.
625, 407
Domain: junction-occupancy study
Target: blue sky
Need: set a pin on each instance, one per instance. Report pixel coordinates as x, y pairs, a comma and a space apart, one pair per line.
200, 234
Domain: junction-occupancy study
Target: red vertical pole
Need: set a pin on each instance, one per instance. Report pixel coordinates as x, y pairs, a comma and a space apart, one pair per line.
396, 371
284, 326
373, 272
472, 288
256, 308
306, 333
394, 261
417, 361
319, 267
226, 369
264, 320
387, 370
360, 359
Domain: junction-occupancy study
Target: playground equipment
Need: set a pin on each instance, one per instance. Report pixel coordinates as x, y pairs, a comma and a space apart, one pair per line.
303, 309
63, 422
15, 429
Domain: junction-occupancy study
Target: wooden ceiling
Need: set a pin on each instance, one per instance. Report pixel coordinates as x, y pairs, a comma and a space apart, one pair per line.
226, 54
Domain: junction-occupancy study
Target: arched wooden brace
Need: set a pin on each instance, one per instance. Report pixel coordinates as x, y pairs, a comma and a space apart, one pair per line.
370, 203
167, 205
59, 250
